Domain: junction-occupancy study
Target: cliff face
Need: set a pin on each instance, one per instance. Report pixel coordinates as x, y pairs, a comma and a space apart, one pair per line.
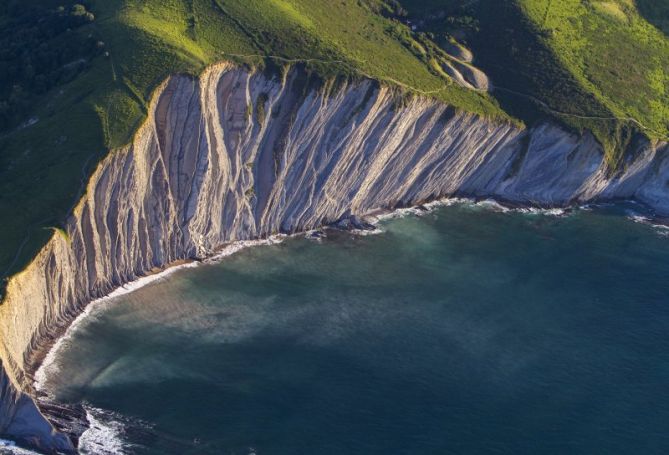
234, 155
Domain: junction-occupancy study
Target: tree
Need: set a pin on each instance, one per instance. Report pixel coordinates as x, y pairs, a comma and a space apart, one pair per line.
79, 11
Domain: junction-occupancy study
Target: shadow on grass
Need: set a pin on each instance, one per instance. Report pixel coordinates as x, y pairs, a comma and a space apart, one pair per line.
656, 12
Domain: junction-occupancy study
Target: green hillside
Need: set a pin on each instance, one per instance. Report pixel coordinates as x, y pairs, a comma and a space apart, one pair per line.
591, 64
656, 12
613, 53
75, 77
136, 44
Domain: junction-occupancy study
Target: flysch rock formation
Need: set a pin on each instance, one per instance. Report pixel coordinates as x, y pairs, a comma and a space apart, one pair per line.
236, 155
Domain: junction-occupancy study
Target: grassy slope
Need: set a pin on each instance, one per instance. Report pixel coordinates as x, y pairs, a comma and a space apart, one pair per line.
563, 58
592, 59
153, 39
43, 168
656, 12
614, 53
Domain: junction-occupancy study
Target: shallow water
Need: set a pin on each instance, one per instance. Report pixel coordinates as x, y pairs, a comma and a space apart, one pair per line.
465, 330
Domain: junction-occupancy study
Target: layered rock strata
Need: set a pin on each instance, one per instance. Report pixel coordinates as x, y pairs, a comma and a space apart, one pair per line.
236, 155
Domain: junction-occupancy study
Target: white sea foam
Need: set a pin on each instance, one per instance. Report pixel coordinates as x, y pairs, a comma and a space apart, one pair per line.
496, 206
401, 213
448, 202
8, 447
661, 229
419, 211
540, 211
104, 435
493, 205
101, 438
235, 247
638, 218
364, 232
50, 367
111, 432
486, 204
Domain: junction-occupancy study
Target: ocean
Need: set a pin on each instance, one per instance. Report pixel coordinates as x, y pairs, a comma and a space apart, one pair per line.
465, 329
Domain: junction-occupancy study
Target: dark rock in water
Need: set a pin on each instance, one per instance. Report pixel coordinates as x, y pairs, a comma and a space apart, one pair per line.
352, 223
68, 419
362, 224
316, 235
344, 224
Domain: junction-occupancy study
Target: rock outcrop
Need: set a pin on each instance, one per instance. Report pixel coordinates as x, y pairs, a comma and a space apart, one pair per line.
235, 155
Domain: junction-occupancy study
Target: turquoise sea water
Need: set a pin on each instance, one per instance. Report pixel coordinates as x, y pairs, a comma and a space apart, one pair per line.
465, 330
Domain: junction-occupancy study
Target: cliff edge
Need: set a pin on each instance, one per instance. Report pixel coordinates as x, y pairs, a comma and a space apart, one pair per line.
236, 155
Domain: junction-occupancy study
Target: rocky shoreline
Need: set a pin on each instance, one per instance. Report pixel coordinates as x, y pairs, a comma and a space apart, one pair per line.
210, 167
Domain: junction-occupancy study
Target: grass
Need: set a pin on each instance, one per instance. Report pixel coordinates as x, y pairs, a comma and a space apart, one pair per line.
656, 12
613, 53
596, 65
588, 64
43, 168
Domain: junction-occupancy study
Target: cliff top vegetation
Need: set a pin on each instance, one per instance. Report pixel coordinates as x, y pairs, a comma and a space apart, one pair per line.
76, 75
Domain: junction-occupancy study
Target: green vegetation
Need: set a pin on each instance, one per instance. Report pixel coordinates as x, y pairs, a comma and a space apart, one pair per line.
138, 43
613, 53
656, 12
37, 54
591, 64
260, 108
76, 75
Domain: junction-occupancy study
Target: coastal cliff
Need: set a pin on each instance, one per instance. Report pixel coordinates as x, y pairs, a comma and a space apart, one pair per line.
237, 155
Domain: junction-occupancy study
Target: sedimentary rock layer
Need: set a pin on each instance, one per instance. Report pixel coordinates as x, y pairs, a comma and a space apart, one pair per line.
237, 155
